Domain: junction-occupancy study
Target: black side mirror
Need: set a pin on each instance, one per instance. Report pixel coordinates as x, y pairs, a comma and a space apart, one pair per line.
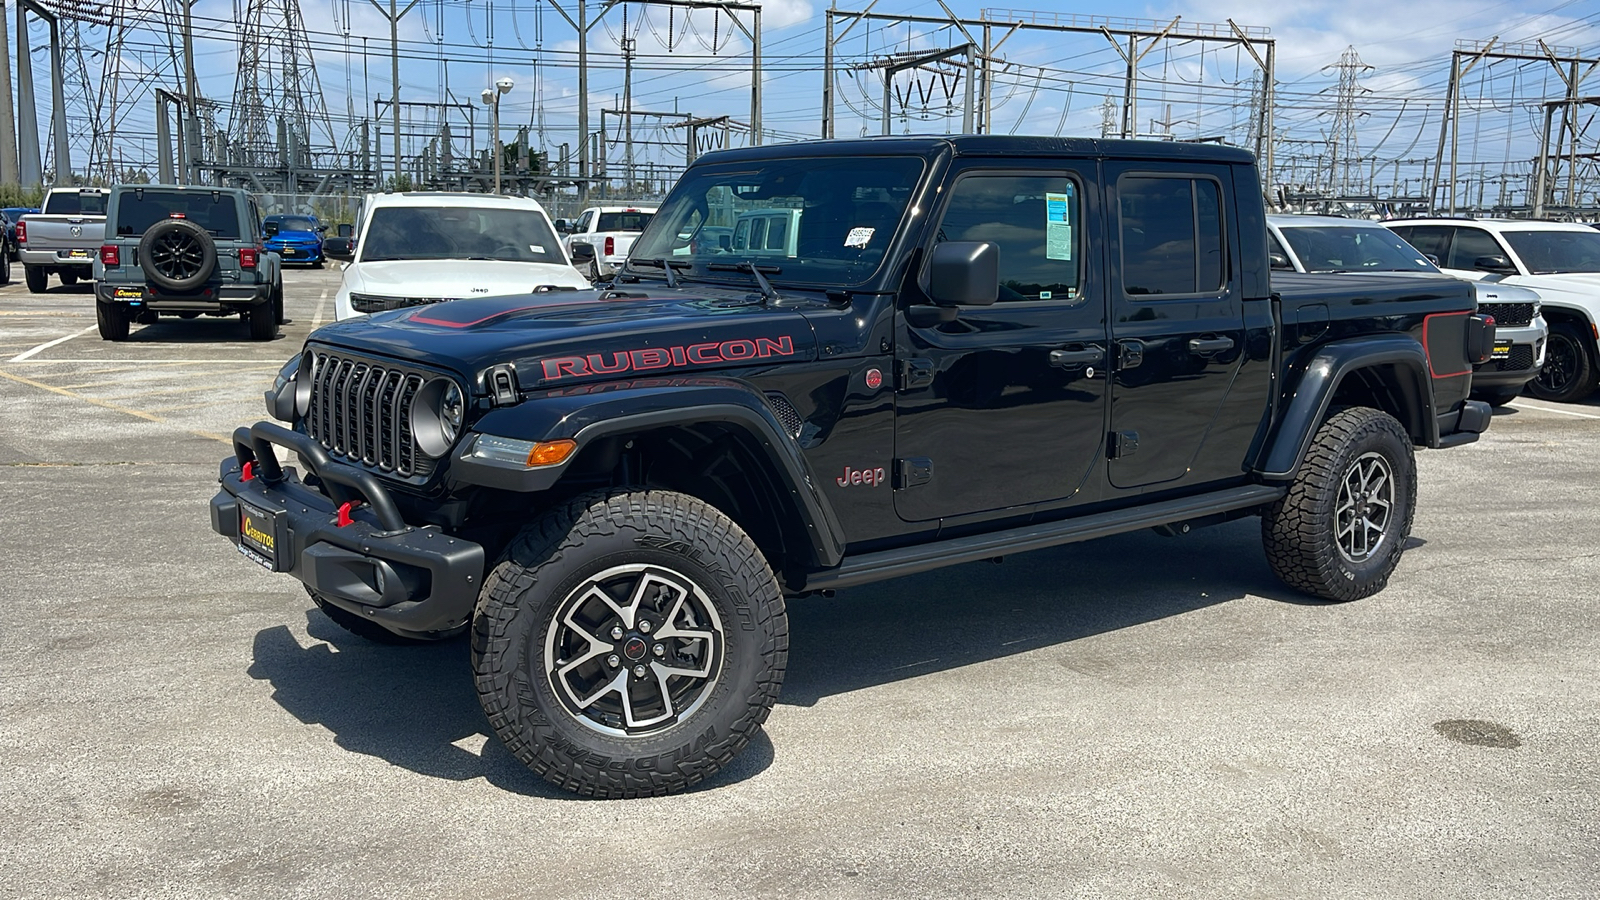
271, 228
964, 273
1497, 264
725, 242
339, 248
582, 253
1433, 259
322, 229
563, 226
346, 230
1279, 261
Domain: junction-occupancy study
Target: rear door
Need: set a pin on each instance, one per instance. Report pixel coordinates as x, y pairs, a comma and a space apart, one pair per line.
1177, 320
1005, 406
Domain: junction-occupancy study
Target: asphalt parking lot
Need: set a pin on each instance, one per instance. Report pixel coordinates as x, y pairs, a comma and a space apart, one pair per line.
1139, 716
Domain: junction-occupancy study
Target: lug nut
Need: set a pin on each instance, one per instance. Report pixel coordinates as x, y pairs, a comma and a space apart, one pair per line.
644, 625
616, 632
659, 650
638, 671
613, 661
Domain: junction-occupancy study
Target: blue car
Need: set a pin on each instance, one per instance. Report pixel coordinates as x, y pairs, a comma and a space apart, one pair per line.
295, 238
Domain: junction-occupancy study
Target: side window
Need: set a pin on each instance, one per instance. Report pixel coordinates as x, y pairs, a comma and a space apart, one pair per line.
584, 220
1033, 219
1471, 243
1275, 248
1171, 231
1430, 240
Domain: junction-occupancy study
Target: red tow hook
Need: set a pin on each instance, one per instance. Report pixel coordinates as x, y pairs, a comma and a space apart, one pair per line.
248, 472
344, 513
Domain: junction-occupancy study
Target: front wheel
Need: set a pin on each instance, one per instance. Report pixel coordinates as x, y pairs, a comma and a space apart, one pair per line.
629, 644
1568, 374
1339, 532
69, 277
5, 268
112, 320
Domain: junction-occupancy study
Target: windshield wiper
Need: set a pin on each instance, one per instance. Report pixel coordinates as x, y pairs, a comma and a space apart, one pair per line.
767, 290
666, 266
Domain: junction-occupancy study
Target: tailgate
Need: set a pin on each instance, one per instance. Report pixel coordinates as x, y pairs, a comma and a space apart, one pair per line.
65, 232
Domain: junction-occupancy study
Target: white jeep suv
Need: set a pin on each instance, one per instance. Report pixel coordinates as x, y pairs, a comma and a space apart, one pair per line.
1560, 260
417, 248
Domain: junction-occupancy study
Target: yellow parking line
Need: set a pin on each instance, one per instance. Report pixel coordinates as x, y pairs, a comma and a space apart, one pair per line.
113, 407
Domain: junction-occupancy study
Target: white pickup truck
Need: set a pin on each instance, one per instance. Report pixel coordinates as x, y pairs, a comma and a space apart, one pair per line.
609, 232
63, 237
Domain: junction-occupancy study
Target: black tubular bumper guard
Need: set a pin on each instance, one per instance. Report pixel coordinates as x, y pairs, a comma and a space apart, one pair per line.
410, 580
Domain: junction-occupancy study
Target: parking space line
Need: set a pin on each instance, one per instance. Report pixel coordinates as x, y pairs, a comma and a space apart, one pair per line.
129, 383
316, 317
138, 414
1523, 404
24, 355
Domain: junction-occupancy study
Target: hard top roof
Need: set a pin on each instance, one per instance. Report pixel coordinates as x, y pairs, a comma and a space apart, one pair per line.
989, 145
1497, 224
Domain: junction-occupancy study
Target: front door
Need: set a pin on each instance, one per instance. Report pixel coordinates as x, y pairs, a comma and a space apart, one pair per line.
1005, 406
1178, 327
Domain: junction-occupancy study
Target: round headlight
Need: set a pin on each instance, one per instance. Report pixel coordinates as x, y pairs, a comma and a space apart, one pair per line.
437, 413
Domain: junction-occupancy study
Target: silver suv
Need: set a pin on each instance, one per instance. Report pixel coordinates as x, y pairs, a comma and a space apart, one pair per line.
1332, 244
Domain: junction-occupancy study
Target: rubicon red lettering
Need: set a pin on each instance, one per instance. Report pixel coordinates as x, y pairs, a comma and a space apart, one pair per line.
706, 354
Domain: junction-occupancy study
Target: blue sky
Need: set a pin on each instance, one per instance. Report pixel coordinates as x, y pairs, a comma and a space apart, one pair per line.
1054, 83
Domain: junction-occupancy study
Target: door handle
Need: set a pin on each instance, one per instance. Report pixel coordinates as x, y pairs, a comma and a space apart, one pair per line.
1066, 359
1203, 346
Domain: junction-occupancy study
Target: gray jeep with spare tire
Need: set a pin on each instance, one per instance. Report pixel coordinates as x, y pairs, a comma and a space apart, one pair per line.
187, 252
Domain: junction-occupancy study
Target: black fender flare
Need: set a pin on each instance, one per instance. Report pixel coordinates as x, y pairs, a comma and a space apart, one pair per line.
589, 413
1295, 429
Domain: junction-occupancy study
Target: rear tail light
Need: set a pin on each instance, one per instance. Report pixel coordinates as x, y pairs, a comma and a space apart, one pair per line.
110, 255
22, 232
247, 257
611, 246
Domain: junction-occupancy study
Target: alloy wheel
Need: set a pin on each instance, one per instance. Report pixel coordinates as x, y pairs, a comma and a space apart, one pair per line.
1366, 499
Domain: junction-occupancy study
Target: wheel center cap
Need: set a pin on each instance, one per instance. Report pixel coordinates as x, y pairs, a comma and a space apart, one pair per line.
634, 649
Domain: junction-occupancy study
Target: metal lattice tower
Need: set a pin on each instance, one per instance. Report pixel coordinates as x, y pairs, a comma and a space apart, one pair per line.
1345, 154
278, 113
1108, 117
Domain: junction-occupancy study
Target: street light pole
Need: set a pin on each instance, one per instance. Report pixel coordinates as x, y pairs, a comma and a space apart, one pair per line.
491, 99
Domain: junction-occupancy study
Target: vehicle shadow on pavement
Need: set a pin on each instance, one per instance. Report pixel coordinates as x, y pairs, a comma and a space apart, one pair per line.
204, 330
973, 613
412, 706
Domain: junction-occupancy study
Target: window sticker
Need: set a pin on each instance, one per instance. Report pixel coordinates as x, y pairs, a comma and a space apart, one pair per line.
1045, 295
537, 248
1058, 226
858, 237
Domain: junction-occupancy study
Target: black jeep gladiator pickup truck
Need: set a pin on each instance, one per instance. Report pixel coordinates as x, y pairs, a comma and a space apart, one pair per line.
935, 351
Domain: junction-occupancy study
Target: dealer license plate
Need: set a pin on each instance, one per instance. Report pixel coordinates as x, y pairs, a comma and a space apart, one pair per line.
79, 254
288, 251
261, 532
1502, 350
127, 293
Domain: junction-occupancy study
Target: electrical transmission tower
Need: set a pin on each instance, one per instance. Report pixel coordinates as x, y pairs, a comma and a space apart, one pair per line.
1108, 117
278, 113
1345, 156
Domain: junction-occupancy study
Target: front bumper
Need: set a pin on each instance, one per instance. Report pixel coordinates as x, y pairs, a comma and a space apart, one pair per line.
211, 299
295, 253
414, 581
1524, 361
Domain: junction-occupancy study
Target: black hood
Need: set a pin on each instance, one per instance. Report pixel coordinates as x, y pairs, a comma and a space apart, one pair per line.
569, 337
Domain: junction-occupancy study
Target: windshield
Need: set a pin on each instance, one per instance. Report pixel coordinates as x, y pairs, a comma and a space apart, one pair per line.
804, 221
216, 213
623, 221
75, 203
459, 232
1343, 248
1553, 252
293, 223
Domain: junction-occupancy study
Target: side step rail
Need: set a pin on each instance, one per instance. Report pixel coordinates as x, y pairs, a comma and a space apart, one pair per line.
884, 564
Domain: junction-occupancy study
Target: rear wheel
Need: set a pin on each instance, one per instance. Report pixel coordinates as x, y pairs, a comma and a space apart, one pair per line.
1339, 532
5, 268
38, 280
630, 643
112, 320
277, 303
69, 277
262, 321
1568, 374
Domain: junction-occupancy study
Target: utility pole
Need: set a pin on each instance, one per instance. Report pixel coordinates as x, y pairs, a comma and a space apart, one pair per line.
8, 120
394, 15
191, 95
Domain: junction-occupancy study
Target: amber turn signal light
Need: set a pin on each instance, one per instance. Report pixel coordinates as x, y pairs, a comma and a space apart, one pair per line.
550, 453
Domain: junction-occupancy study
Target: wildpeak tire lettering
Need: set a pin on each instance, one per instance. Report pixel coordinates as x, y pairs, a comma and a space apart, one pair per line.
646, 358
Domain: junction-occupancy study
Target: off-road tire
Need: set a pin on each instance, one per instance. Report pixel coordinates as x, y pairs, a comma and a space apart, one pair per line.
1301, 531
5, 267
177, 255
277, 303
362, 628
112, 320
68, 278
1568, 374
1498, 396
262, 320
37, 278
551, 565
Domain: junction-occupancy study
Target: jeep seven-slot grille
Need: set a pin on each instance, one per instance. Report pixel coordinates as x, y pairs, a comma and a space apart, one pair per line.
1509, 315
361, 411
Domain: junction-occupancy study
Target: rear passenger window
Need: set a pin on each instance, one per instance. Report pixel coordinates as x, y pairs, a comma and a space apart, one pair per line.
1171, 230
1033, 219
1430, 240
